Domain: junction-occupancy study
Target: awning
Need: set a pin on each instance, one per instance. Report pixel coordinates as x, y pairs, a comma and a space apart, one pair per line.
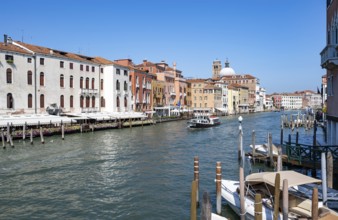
294, 178
221, 109
20, 120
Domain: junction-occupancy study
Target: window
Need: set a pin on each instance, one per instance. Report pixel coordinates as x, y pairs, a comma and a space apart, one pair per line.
9, 58
87, 83
101, 70
81, 82
42, 61
125, 86
93, 69
42, 101
125, 102
71, 66
81, 101
93, 101
93, 83
9, 75
117, 85
62, 64
103, 102
87, 68
62, 101
42, 79
125, 72
71, 83
30, 101
62, 81
29, 77
10, 101
101, 84
118, 71
29, 60
87, 101
71, 100
81, 67
118, 102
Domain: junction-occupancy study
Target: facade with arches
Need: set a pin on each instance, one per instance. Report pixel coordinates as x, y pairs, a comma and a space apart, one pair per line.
35, 77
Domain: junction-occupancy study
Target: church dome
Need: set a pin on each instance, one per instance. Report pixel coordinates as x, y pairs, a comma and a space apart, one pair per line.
227, 70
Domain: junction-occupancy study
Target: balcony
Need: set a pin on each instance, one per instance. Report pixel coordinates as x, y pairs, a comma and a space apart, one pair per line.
172, 94
329, 57
144, 86
88, 91
137, 85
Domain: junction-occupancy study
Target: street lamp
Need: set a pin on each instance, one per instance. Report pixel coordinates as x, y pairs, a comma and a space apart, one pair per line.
240, 119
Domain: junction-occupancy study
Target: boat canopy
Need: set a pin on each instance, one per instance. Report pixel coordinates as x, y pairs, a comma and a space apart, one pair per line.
294, 178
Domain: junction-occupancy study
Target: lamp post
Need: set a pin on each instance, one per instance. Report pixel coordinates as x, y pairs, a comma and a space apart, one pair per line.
241, 169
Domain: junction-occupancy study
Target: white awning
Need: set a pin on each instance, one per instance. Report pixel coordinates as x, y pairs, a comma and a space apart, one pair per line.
294, 178
20, 120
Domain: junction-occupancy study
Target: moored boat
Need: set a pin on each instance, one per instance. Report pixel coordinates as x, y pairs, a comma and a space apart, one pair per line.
263, 183
204, 121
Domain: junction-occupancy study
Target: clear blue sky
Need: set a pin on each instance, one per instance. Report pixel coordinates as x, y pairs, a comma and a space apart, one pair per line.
278, 41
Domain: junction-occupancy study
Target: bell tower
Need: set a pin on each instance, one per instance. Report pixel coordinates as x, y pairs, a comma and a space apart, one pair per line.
216, 68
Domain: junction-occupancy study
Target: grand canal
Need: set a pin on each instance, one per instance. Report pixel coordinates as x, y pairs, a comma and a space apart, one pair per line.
133, 173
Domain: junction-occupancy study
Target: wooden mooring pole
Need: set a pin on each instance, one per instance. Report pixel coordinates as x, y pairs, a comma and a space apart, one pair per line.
258, 207
253, 140
24, 131
62, 131
329, 170
41, 136
193, 207
3, 138
271, 151
206, 207
314, 210
241, 192
285, 199
31, 136
276, 199
218, 188
196, 177
324, 180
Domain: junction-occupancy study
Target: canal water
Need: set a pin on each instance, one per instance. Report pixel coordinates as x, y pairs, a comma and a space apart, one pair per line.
133, 173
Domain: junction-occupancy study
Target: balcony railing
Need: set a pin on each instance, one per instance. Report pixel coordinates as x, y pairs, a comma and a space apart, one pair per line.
329, 56
88, 91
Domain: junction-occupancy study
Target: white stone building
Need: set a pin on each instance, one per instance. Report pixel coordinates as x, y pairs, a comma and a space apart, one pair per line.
36, 77
292, 101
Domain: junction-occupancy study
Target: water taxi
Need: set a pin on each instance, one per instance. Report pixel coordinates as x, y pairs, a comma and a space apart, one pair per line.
204, 121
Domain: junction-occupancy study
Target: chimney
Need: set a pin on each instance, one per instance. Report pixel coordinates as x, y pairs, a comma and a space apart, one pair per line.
5, 39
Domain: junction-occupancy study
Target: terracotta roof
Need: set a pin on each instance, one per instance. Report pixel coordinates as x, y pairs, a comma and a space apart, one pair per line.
195, 80
12, 48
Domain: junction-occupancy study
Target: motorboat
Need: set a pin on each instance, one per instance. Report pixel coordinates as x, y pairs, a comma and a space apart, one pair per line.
204, 121
264, 149
263, 183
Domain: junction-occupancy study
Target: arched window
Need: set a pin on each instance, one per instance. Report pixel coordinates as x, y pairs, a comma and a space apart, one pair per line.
62, 101
42, 79
103, 103
93, 83
81, 82
87, 83
93, 101
71, 100
117, 85
125, 86
101, 84
29, 77
81, 101
9, 75
10, 100
62, 81
71, 83
30, 101
42, 101
125, 102
118, 102
87, 101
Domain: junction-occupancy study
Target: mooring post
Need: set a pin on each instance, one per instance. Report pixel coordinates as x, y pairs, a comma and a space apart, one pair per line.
206, 207
218, 187
279, 160
281, 136
41, 135
314, 209
8, 132
240, 141
314, 151
271, 151
329, 169
196, 176
324, 183
24, 131
11, 140
277, 195
3, 138
258, 206
31, 135
81, 128
62, 131
253, 145
285, 199
193, 207
241, 192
